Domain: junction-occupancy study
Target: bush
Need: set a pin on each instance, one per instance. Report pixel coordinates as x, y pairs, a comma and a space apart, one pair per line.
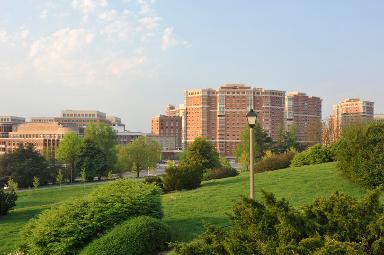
154, 180
71, 225
316, 154
360, 153
142, 235
182, 177
7, 201
219, 173
338, 224
274, 162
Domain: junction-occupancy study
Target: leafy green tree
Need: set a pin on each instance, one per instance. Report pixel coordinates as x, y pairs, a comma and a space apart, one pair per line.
261, 143
83, 176
201, 153
35, 182
23, 164
140, 154
287, 139
224, 163
92, 159
12, 185
59, 178
105, 138
68, 152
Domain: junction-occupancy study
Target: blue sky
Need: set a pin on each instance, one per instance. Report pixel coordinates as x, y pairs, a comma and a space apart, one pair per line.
132, 57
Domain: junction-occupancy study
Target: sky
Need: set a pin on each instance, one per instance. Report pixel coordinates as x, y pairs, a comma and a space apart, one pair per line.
130, 58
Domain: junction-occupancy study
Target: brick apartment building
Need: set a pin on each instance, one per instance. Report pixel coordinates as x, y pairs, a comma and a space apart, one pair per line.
168, 127
305, 113
349, 111
219, 115
9, 124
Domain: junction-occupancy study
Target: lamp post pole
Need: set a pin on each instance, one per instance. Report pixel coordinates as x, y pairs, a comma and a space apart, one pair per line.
251, 118
251, 156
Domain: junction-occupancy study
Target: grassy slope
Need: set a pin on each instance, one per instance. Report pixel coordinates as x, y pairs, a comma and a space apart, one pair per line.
185, 211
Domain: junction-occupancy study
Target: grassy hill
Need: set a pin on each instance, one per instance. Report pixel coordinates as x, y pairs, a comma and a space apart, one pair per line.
186, 211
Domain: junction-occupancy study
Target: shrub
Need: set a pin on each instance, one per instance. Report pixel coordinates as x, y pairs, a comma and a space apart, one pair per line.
316, 154
7, 201
338, 224
142, 235
182, 177
274, 162
154, 180
68, 227
360, 153
219, 173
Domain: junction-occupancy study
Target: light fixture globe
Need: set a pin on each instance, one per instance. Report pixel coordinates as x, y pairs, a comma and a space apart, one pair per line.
252, 118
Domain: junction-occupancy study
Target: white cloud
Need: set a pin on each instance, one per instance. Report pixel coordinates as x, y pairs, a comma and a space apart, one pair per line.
86, 7
145, 7
44, 14
150, 22
168, 41
108, 15
3, 36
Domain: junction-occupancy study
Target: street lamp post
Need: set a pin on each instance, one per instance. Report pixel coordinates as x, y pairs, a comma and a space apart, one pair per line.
251, 118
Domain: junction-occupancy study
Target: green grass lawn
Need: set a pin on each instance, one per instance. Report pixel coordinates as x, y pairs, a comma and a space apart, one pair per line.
186, 211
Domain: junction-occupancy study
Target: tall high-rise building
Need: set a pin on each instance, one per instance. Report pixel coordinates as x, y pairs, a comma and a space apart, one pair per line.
349, 111
219, 115
304, 112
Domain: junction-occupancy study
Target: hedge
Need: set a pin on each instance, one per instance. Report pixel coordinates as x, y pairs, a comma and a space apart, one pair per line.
275, 162
316, 154
142, 235
71, 225
219, 173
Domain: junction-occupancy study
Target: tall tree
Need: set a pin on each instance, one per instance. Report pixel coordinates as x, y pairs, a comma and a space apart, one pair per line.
106, 139
262, 142
23, 165
201, 153
140, 154
312, 132
68, 152
92, 160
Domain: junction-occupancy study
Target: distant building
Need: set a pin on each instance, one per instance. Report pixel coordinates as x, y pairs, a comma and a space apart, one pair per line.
219, 115
8, 124
44, 136
166, 142
116, 123
304, 112
379, 116
349, 111
127, 136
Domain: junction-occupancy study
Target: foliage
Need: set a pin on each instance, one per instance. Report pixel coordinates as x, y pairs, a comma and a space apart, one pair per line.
7, 200
224, 162
140, 154
182, 177
59, 177
286, 140
23, 164
68, 227
275, 161
261, 143
219, 173
154, 180
36, 182
68, 152
92, 160
12, 185
313, 132
338, 224
105, 138
316, 154
360, 153
142, 235
200, 154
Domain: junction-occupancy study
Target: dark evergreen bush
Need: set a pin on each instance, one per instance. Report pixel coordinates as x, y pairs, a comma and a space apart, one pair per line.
338, 224
182, 177
316, 154
219, 173
7, 201
142, 235
71, 225
360, 153
275, 162
154, 180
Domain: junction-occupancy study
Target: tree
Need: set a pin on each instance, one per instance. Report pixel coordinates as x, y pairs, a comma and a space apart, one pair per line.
201, 153
138, 155
83, 176
59, 178
35, 182
287, 139
105, 138
262, 142
23, 164
68, 152
312, 132
92, 159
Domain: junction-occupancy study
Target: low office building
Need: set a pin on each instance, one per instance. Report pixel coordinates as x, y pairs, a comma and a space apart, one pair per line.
9, 124
44, 136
